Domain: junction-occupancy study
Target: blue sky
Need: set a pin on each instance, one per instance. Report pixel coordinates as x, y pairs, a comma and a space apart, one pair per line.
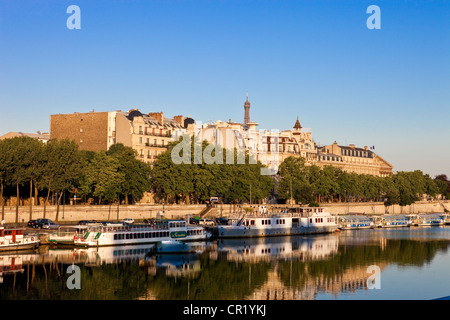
388, 88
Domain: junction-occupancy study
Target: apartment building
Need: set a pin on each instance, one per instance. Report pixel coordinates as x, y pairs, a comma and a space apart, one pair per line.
148, 134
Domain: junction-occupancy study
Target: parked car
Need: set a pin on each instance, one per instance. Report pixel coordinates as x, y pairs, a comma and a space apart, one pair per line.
206, 222
31, 223
50, 225
127, 220
86, 222
46, 224
194, 220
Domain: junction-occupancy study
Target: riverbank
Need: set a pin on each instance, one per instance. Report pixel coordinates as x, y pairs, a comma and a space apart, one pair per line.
74, 213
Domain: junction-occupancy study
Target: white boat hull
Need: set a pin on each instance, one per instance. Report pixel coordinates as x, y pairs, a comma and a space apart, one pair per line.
235, 232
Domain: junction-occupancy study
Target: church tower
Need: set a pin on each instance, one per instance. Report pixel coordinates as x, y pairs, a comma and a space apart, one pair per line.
247, 111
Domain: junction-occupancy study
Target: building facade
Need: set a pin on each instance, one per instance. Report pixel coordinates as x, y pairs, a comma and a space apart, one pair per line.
148, 134
353, 159
272, 147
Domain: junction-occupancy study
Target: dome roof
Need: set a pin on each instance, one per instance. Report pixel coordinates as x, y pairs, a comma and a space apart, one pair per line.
188, 121
134, 113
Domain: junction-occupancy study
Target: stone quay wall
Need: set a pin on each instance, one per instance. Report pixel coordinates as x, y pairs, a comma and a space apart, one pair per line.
75, 213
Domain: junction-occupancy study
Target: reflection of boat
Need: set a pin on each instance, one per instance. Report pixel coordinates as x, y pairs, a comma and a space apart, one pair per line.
124, 234
308, 220
295, 247
10, 264
177, 264
13, 239
172, 246
106, 254
355, 222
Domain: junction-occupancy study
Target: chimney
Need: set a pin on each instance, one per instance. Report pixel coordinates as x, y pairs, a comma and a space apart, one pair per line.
159, 116
179, 119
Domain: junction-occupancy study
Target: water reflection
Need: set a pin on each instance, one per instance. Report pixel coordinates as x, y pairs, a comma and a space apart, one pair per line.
301, 267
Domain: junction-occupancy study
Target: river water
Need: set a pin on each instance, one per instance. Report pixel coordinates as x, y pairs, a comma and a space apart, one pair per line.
404, 263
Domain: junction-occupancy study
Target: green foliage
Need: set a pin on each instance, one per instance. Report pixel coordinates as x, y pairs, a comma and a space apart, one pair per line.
60, 167
199, 177
313, 184
136, 173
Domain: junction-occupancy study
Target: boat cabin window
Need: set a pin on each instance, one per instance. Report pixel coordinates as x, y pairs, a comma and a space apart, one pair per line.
178, 224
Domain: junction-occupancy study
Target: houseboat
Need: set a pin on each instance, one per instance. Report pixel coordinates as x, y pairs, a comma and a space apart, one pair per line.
430, 220
359, 221
303, 220
112, 234
12, 239
445, 217
394, 221
66, 235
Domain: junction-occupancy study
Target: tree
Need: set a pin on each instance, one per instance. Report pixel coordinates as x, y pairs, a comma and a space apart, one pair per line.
26, 161
136, 173
199, 178
443, 184
294, 180
103, 178
6, 161
63, 170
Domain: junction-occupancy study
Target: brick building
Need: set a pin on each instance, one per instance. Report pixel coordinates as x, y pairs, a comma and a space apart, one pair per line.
148, 134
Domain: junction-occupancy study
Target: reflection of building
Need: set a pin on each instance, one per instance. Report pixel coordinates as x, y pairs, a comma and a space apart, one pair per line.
148, 134
274, 288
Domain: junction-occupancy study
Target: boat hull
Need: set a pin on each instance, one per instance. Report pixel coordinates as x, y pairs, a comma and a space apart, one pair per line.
241, 232
18, 247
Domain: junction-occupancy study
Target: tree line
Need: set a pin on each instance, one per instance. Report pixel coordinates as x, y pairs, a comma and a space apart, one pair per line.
59, 170
308, 184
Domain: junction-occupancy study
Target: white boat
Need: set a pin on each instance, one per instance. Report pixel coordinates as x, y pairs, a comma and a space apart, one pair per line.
431, 220
355, 222
125, 234
395, 221
66, 235
302, 220
445, 217
12, 239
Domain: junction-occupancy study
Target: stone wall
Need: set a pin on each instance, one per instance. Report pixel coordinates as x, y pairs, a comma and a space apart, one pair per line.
110, 213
